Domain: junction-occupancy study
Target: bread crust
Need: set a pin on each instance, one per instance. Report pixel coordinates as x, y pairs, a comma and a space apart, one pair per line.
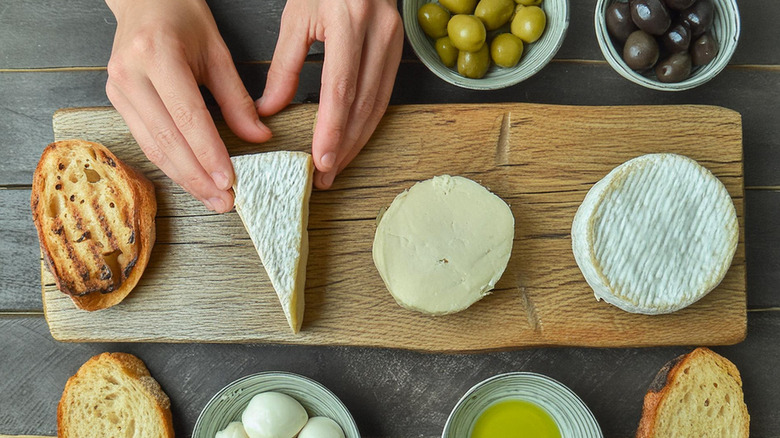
666, 378
77, 237
135, 369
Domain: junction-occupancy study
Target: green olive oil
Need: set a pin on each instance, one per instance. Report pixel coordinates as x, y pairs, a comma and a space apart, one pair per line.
515, 419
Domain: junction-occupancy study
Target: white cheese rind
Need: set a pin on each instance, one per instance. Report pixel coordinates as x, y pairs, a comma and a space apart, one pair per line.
656, 234
272, 193
443, 244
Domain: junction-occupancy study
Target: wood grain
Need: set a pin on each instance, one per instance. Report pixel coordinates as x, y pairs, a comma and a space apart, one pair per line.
541, 159
19, 253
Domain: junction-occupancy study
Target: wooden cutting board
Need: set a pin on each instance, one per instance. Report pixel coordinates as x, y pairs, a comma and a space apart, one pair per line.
205, 282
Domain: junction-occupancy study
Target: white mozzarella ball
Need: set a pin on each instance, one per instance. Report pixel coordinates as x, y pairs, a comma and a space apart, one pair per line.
273, 415
321, 427
233, 430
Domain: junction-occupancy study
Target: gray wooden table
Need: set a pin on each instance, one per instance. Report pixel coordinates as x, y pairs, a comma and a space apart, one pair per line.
53, 54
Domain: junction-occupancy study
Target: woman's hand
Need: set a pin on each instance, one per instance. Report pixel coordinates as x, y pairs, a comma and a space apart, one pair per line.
363, 43
164, 49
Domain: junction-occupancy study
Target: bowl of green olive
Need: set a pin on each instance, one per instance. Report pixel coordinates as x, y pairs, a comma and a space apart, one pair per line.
667, 45
485, 44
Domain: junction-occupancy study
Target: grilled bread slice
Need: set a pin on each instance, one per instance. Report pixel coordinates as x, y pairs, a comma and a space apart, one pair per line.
114, 395
695, 395
95, 221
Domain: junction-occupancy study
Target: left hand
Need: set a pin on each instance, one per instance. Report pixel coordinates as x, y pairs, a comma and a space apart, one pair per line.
363, 43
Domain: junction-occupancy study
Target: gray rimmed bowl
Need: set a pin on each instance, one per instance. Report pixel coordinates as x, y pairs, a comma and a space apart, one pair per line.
569, 412
725, 28
228, 404
535, 56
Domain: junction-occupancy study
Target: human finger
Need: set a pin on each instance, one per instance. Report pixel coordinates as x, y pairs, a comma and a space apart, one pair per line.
283, 74
169, 150
178, 90
382, 54
343, 51
238, 108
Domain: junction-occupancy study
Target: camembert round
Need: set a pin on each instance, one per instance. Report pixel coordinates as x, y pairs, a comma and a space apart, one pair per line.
656, 234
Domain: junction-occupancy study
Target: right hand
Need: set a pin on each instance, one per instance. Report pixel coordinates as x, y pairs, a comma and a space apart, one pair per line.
164, 49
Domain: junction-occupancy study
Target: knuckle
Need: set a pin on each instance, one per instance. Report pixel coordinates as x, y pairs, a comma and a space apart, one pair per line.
117, 70
183, 115
165, 139
364, 108
344, 91
155, 155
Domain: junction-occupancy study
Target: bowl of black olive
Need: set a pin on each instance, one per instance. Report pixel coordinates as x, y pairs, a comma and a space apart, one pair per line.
667, 45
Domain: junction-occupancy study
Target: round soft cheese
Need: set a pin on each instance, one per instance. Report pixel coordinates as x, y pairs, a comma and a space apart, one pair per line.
656, 234
443, 244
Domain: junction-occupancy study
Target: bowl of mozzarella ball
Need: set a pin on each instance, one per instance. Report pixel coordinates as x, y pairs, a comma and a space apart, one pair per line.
275, 405
485, 44
667, 45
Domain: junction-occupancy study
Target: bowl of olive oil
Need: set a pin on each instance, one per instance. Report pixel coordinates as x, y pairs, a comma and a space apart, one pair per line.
520, 405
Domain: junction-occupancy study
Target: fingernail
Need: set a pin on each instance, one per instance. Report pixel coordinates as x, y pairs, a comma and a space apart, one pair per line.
327, 179
218, 203
221, 180
208, 204
328, 160
259, 102
263, 128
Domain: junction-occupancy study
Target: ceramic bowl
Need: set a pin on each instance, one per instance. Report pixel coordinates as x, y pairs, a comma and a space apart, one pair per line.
535, 56
228, 404
725, 28
569, 412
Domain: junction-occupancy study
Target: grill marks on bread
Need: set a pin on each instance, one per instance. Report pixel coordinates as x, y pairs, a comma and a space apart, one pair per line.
89, 207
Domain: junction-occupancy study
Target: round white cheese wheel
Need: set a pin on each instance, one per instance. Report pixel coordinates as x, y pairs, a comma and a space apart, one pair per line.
273, 415
443, 244
656, 234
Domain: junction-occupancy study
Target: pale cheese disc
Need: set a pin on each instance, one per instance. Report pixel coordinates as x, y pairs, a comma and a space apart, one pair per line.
656, 234
272, 198
443, 244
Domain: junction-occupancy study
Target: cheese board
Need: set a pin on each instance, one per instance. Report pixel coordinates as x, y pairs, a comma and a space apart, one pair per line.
205, 283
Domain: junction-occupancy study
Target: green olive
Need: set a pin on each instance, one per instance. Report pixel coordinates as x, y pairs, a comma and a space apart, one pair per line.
466, 32
433, 20
447, 52
494, 13
529, 2
474, 65
459, 6
529, 23
506, 50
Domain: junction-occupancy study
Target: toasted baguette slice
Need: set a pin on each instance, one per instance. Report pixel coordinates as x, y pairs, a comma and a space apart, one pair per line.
272, 198
113, 395
695, 395
95, 221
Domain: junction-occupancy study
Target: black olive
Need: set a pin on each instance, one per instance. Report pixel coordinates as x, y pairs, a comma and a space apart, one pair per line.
704, 49
619, 23
640, 51
675, 68
651, 16
679, 5
699, 17
677, 38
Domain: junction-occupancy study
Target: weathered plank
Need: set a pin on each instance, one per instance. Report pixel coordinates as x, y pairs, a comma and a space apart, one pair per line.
29, 100
52, 34
391, 393
19, 253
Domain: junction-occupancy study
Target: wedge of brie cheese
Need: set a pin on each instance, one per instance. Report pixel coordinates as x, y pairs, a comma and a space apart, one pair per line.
656, 234
272, 198
443, 244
